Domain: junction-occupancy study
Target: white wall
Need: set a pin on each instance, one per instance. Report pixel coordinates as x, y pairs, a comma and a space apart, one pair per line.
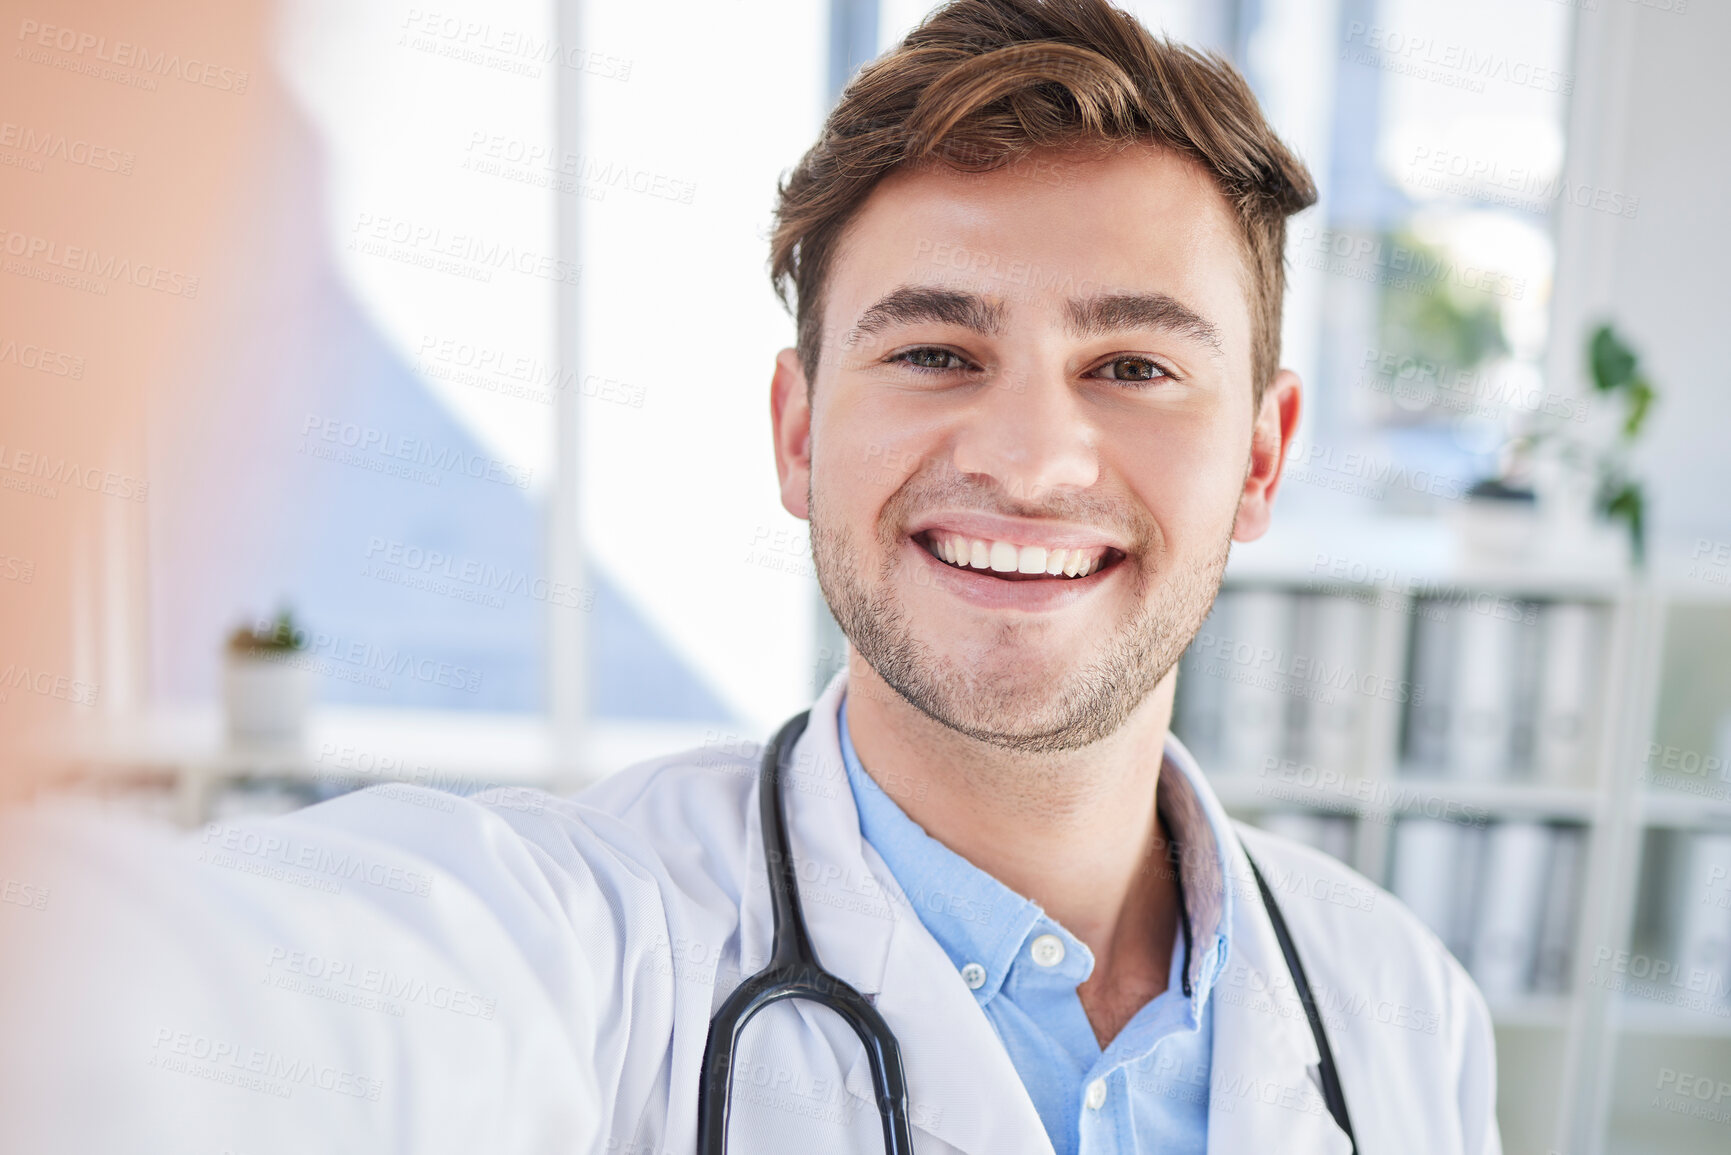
1653, 90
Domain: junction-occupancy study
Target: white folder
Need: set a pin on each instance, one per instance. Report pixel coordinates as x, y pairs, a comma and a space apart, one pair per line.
1573, 665
1511, 908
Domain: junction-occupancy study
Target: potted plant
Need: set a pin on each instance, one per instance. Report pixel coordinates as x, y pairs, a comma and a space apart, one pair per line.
1581, 464
267, 683
1617, 373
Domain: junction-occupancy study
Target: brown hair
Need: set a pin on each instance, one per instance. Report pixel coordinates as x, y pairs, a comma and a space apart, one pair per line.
982, 83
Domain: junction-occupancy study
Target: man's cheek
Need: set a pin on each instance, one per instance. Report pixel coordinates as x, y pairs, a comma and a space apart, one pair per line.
1190, 490
869, 465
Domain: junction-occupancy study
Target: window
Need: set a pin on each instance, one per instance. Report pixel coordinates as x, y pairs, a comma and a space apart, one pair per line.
519, 343
1421, 282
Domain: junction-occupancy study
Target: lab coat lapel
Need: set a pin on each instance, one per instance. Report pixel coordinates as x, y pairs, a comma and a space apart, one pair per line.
1265, 1089
846, 910
963, 1089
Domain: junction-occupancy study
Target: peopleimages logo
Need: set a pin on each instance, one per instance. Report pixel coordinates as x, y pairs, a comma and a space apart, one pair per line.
495, 154
46, 684
465, 254
27, 355
1454, 65
368, 442
1475, 390
254, 1068
87, 46
518, 374
1398, 265
1362, 473
46, 144
358, 660
79, 259
1517, 186
1290, 671
468, 579
47, 473
512, 50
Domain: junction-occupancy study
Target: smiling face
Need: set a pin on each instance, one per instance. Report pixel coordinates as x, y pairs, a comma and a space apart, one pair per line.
1031, 436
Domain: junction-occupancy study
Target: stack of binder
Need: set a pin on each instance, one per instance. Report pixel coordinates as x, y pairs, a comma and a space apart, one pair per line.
1277, 674
1504, 898
1700, 892
1495, 688
1503, 690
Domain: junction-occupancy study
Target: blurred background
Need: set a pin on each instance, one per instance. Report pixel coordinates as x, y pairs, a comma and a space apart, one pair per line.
383, 397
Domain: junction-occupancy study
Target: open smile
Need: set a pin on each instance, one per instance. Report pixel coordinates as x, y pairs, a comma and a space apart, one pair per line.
1012, 562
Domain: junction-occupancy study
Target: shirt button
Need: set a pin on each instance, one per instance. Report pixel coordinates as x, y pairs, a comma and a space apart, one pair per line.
1096, 1094
974, 975
1048, 950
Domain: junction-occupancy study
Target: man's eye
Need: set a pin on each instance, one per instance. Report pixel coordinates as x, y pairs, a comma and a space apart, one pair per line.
928, 357
1132, 369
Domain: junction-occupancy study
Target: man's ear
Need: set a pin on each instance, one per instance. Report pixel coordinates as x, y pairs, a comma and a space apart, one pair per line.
790, 422
1270, 438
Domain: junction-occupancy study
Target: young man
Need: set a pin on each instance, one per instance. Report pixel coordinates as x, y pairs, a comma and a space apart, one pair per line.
1037, 264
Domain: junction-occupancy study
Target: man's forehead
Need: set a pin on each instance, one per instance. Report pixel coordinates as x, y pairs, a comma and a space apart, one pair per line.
1064, 192
1140, 221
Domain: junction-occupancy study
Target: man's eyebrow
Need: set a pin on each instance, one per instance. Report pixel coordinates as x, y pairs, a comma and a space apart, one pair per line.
912, 304
1096, 316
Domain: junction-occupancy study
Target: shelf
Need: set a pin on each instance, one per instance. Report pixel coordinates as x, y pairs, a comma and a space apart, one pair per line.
1691, 573
1678, 809
462, 752
386, 745
1636, 1016
1532, 1012
1384, 798
1412, 556
1578, 803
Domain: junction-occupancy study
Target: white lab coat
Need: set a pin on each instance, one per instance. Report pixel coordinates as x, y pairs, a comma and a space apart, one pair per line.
599, 934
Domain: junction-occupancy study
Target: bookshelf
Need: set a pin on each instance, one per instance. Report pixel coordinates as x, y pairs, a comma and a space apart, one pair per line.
1591, 1059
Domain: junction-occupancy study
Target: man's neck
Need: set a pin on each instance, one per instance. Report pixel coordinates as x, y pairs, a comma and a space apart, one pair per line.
1074, 831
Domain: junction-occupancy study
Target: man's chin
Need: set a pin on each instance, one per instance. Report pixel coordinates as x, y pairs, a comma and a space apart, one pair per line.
1024, 731
1015, 706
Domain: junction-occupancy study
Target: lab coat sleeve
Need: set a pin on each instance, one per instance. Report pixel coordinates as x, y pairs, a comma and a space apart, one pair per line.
582, 896
381, 973
1476, 1087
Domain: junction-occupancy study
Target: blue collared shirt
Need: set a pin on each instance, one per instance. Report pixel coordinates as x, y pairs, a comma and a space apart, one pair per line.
1148, 1090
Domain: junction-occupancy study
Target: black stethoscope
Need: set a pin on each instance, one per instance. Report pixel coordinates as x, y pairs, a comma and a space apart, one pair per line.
794, 973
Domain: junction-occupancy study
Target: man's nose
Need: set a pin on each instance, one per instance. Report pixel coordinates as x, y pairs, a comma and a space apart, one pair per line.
1029, 432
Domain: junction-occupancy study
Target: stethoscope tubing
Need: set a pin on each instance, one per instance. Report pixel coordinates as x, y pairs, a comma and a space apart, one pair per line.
794, 972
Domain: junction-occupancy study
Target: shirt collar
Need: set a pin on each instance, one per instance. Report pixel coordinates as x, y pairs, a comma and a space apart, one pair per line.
977, 919
974, 917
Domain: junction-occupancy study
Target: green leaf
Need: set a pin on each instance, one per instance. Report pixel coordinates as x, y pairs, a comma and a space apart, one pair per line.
1627, 503
1641, 396
1611, 361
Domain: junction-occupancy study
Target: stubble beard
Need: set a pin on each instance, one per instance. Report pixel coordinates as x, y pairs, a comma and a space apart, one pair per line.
1068, 706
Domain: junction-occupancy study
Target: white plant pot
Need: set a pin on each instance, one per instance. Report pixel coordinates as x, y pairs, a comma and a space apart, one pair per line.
265, 699
1494, 532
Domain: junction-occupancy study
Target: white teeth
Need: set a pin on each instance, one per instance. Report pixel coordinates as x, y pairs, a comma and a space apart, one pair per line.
1006, 557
